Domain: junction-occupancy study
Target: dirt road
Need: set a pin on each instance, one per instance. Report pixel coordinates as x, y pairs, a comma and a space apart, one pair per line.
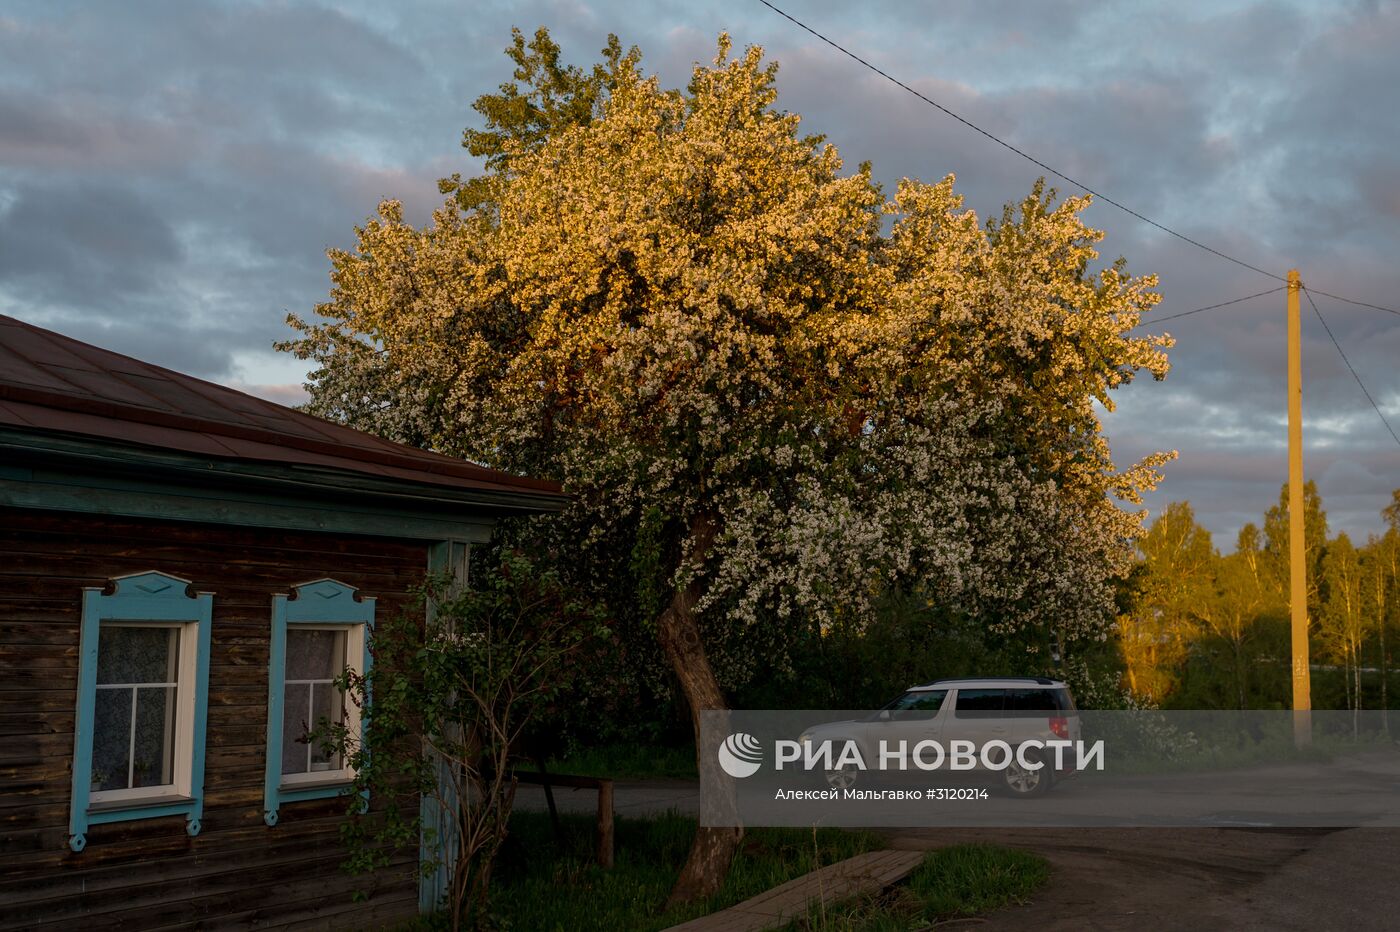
1151, 879
1147, 879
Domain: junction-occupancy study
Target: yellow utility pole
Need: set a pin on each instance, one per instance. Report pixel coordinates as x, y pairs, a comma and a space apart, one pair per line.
1297, 567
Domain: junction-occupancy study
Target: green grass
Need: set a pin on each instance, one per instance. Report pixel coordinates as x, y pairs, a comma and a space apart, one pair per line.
627, 762
542, 886
955, 882
1184, 751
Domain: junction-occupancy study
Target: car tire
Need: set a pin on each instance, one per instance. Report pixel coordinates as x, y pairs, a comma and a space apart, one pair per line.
843, 778
1025, 783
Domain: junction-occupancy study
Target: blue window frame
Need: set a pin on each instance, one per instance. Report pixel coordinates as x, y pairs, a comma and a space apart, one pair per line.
318, 631
143, 679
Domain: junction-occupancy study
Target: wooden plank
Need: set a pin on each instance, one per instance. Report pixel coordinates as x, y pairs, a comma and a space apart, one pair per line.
559, 779
283, 881
384, 910
863, 874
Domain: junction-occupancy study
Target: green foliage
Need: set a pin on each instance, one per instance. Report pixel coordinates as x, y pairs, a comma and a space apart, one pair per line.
1391, 512
910, 640
545, 99
967, 879
547, 885
1202, 630
445, 708
1277, 534
1178, 557
650, 565
633, 760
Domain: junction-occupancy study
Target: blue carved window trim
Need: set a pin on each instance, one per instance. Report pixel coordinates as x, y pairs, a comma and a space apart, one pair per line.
323, 603
164, 600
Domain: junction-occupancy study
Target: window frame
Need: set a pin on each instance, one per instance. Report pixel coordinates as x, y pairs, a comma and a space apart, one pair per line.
150, 599
322, 604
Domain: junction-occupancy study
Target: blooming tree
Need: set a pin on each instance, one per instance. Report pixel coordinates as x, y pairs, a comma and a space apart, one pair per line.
773, 391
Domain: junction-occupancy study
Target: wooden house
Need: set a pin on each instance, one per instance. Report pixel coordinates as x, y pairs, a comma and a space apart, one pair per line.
184, 568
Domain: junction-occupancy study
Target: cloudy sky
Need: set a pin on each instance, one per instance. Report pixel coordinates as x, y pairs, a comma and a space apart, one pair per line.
171, 174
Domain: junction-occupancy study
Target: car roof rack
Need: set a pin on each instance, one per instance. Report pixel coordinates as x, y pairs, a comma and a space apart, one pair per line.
1038, 680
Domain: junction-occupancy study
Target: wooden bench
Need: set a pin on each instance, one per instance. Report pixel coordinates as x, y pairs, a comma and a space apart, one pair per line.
603, 830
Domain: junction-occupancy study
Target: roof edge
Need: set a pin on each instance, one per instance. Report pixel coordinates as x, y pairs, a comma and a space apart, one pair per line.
427, 462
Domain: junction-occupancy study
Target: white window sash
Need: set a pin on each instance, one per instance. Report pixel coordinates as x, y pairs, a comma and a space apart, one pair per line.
353, 644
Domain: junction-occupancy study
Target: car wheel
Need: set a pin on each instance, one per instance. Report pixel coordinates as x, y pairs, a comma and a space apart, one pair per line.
843, 778
1024, 781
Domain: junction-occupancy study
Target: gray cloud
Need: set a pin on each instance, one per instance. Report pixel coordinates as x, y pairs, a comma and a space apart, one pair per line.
171, 174
82, 245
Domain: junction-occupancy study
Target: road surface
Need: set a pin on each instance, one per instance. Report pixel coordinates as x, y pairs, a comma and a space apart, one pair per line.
1143, 879
1148, 879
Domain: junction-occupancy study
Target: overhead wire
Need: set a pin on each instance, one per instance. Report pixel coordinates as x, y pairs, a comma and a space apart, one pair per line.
1337, 297
1209, 307
1021, 152
1049, 168
1121, 206
1341, 352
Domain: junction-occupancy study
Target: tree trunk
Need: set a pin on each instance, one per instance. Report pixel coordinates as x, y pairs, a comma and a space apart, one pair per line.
1356, 713
1385, 675
679, 632
1240, 672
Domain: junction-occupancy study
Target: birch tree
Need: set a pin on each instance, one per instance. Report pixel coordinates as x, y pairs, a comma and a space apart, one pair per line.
1343, 623
1176, 591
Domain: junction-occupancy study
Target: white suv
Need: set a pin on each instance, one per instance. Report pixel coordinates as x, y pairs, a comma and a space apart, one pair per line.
1015, 710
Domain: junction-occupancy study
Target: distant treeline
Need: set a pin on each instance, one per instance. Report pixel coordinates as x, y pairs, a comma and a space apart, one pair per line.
1206, 630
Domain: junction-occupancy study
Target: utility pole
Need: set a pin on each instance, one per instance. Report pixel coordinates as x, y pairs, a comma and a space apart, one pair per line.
1297, 567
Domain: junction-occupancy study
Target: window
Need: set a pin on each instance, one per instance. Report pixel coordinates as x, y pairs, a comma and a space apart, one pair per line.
917, 704
138, 682
1034, 700
310, 698
980, 703
138, 748
318, 632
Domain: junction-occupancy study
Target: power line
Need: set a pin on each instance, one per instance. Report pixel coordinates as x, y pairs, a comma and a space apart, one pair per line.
1059, 174
1388, 310
1128, 210
1209, 307
1006, 145
1343, 354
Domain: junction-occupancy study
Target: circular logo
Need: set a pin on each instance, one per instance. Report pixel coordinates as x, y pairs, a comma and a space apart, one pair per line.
740, 755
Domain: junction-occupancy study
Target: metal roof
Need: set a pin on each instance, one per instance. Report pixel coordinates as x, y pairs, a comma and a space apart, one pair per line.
55, 384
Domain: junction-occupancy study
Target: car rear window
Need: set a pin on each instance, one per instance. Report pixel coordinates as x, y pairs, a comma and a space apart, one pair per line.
1032, 701
1036, 700
977, 703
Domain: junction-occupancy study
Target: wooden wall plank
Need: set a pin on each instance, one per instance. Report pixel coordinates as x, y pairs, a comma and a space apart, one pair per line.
237, 873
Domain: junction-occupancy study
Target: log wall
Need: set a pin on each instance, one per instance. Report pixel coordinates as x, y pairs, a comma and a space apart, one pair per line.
148, 874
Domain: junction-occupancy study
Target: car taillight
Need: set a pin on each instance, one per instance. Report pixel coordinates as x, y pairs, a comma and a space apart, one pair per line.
1060, 726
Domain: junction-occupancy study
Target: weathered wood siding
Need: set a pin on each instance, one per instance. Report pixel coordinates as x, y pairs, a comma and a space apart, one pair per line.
149, 874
